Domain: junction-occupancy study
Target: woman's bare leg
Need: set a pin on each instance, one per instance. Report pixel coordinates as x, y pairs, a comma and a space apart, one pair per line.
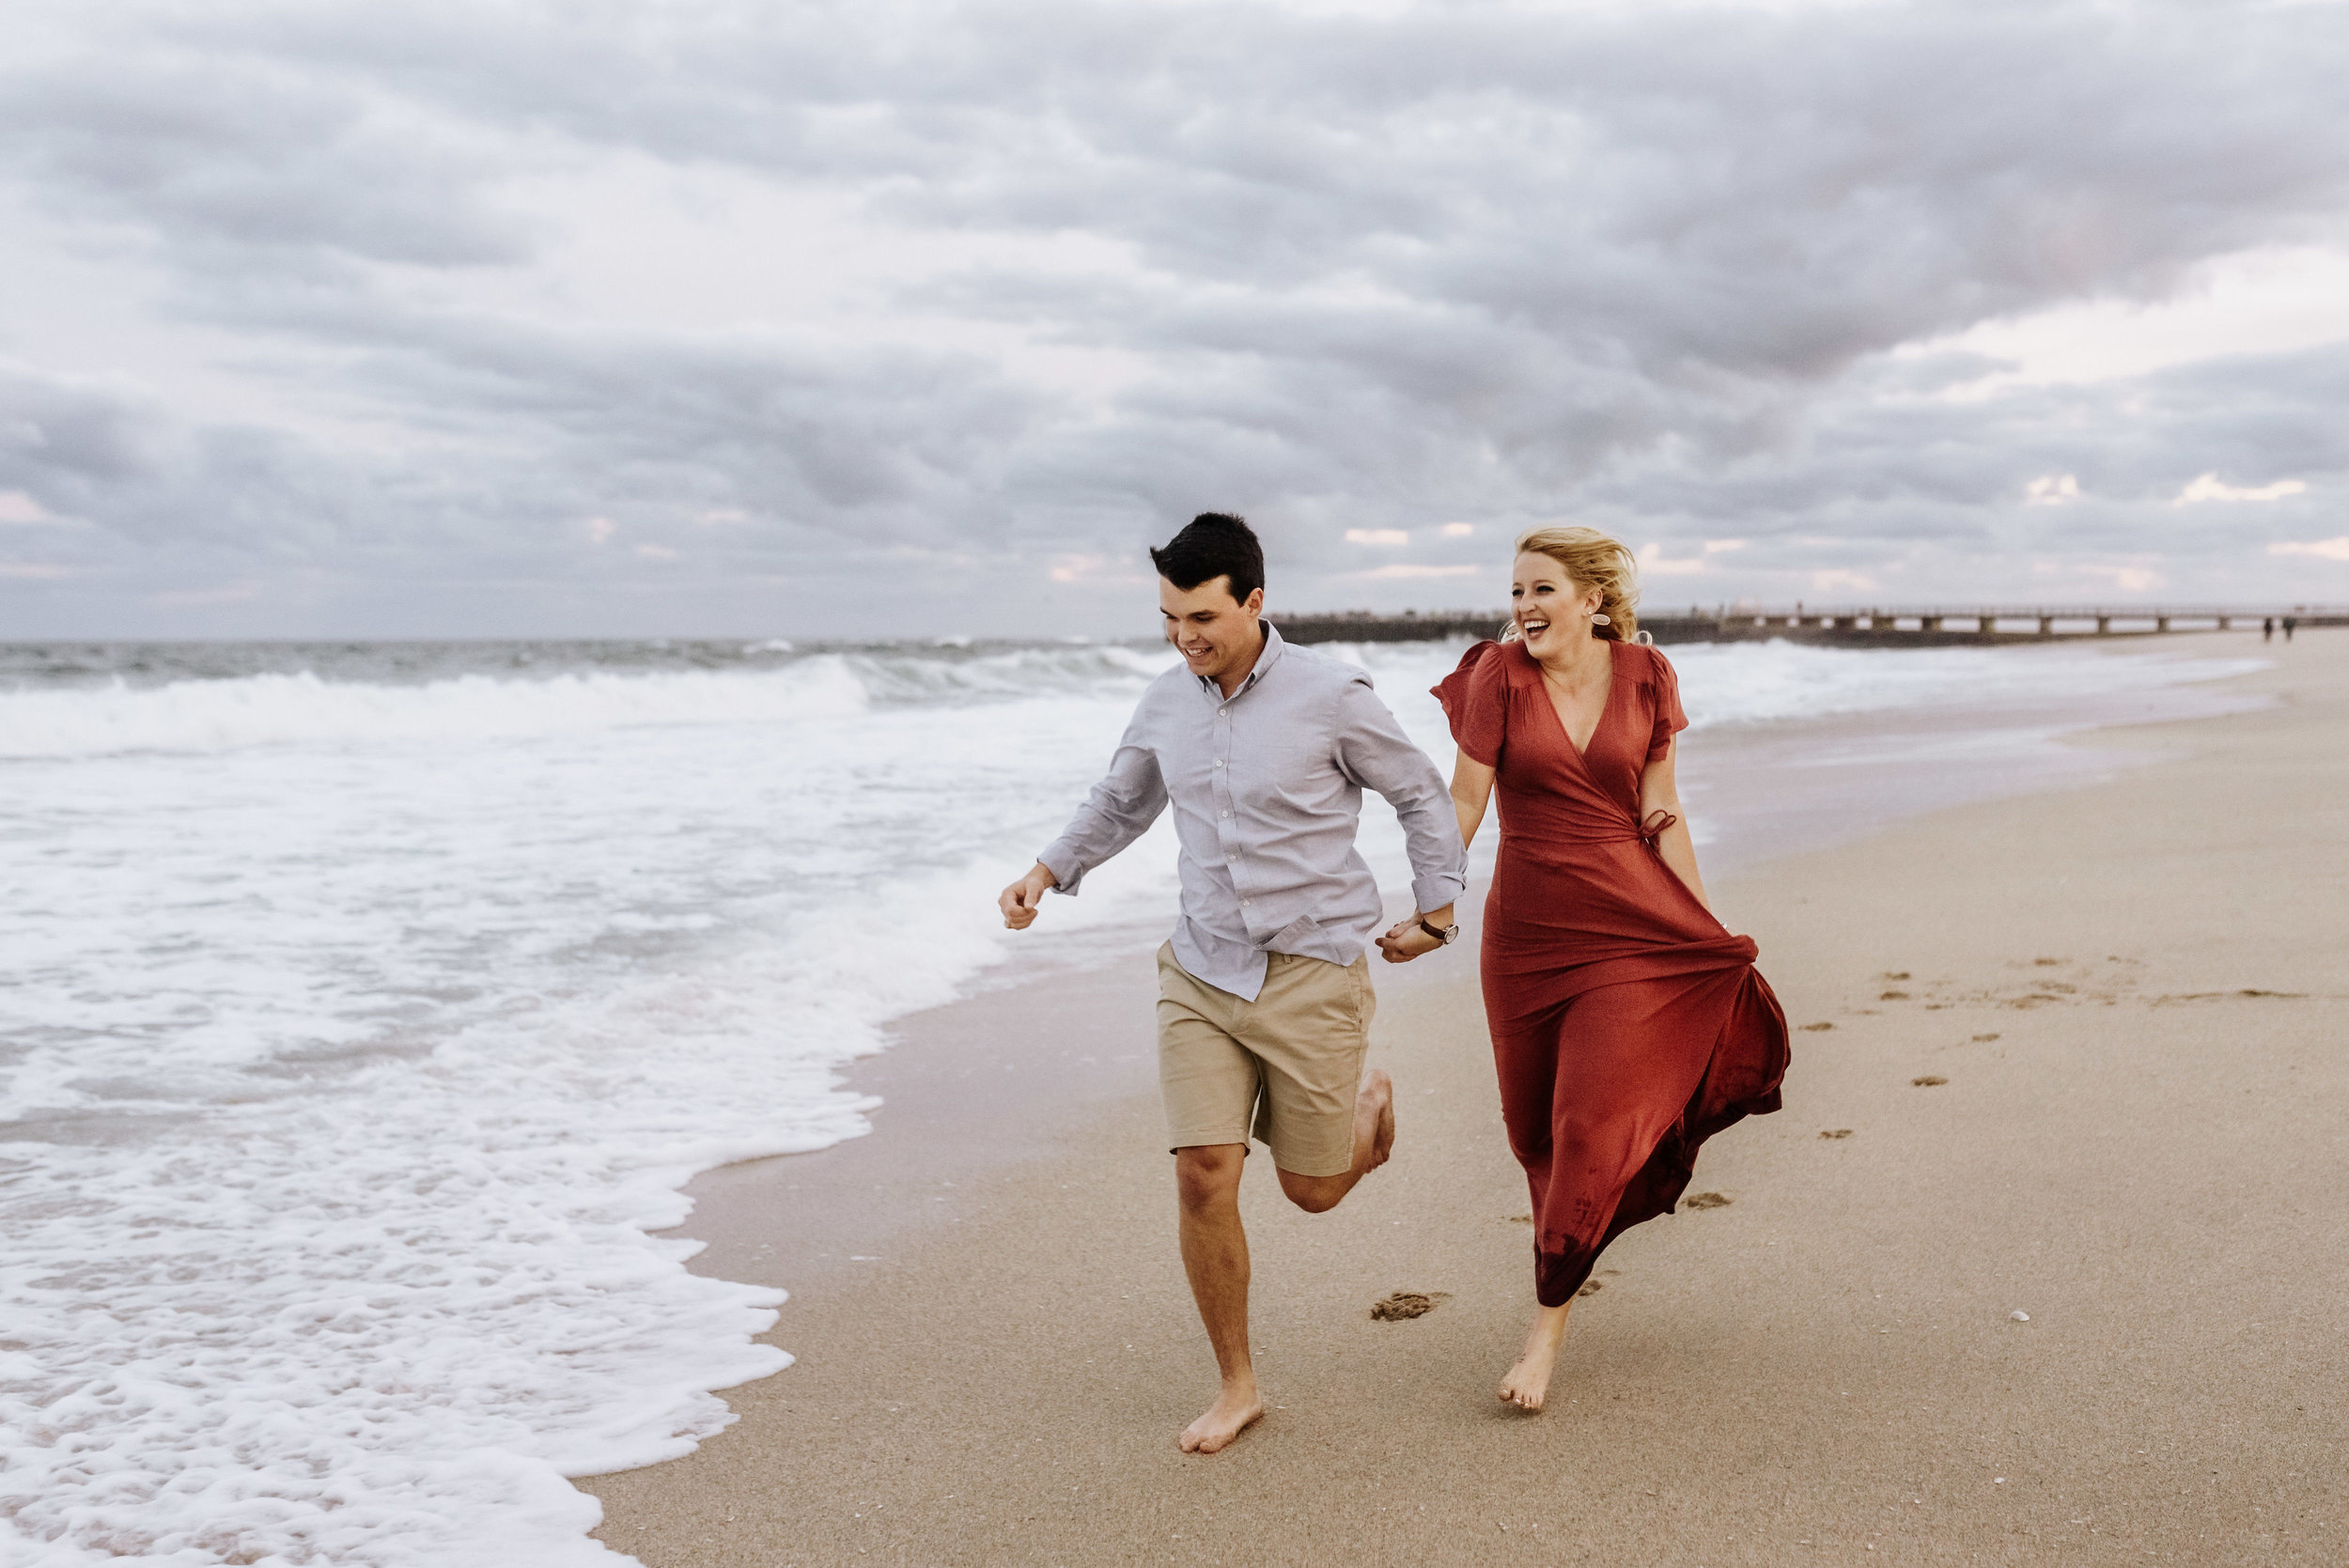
1528, 1383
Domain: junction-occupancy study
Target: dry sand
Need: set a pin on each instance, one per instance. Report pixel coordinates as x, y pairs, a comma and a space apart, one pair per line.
2137, 994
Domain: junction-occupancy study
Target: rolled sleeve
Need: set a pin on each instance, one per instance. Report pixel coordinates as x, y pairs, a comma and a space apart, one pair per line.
1440, 890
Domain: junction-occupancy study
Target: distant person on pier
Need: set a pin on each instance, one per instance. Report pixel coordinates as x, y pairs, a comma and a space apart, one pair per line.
1629, 1025
2290, 621
2267, 629
1265, 1000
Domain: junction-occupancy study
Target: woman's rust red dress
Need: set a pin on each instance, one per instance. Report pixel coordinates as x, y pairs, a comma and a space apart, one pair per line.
1629, 1025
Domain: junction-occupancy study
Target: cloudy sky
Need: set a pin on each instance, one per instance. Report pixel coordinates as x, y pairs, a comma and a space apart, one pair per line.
484, 318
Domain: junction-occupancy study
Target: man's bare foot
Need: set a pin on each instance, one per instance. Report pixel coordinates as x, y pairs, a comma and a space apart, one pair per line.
1374, 1109
1231, 1414
1528, 1383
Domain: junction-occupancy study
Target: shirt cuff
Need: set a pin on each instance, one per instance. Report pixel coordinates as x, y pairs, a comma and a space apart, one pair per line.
1067, 870
1434, 892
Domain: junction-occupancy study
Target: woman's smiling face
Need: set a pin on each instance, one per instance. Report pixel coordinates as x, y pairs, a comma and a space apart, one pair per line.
1546, 605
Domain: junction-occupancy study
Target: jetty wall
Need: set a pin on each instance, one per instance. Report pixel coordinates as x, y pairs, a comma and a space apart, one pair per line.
1874, 627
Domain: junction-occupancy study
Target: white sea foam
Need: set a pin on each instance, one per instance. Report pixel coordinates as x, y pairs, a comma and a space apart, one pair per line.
270, 709
1754, 683
345, 1078
359, 1032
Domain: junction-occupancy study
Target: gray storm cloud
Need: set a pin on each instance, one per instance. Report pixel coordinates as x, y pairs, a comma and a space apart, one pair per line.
1502, 264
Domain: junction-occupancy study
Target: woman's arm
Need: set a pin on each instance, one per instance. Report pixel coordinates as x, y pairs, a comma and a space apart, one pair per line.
1658, 792
1471, 790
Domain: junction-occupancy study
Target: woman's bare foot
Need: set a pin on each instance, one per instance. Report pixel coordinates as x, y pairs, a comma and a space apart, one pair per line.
1528, 1383
1232, 1413
1374, 1113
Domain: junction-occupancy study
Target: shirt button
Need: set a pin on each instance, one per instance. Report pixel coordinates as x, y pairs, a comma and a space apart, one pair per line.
1247, 903
1222, 813
1219, 762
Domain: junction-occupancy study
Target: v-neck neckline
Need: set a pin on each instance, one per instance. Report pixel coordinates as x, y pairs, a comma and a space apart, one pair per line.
1549, 700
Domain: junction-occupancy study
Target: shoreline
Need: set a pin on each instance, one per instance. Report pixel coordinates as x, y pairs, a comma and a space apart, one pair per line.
899, 1244
1055, 1033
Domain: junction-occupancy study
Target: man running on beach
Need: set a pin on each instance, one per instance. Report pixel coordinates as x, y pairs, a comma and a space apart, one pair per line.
1264, 993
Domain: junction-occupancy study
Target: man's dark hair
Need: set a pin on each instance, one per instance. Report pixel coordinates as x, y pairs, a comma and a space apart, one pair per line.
1214, 545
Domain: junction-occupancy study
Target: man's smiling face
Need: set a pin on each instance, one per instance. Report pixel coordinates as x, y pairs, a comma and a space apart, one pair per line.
1215, 633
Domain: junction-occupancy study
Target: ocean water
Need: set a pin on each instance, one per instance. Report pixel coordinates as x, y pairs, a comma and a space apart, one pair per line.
368, 1005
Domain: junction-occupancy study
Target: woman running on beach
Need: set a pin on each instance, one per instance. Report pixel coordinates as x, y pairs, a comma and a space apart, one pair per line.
1629, 1025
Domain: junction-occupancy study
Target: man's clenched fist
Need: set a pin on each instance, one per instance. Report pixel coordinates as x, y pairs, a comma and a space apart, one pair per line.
1021, 900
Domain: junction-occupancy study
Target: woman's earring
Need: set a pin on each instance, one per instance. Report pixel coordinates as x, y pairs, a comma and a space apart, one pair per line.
1599, 618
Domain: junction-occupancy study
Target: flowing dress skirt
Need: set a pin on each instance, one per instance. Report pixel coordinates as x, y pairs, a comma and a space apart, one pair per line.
1629, 1025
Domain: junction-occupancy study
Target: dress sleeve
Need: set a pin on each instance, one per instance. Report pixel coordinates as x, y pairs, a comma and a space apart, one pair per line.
1475, 699
1669, 721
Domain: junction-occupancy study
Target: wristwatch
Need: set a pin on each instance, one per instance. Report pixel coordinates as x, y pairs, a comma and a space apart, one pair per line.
1444, 934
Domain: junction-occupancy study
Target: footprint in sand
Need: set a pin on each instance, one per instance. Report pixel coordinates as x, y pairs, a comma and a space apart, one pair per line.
1893, 996
1931, 1080
1893, 974
1403, 1305
1520, 1220
2225, 996
1705, 1201
1981, 1039
1814, 1028
1836, 1132
2050, 963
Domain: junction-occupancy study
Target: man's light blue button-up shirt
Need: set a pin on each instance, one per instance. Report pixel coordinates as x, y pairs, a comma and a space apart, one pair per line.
1266, 786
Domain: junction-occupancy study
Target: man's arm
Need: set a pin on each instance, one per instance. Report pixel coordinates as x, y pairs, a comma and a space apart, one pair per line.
1118, 811
1375, 751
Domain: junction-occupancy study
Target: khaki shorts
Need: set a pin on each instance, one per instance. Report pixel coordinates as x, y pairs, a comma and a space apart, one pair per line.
1288, 1063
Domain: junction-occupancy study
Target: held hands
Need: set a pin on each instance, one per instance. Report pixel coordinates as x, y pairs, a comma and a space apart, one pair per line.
1021, 900
1406, 941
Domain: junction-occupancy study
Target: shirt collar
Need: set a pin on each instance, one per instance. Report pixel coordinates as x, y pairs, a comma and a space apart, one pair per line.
1267, 657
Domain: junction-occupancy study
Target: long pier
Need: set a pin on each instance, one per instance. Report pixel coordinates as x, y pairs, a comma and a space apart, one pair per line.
1848, 628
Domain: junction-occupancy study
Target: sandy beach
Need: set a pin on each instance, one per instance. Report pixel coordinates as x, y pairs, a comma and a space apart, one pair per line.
2081, 1055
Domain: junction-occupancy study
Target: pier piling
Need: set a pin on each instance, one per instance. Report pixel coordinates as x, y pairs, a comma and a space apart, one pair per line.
1871, 628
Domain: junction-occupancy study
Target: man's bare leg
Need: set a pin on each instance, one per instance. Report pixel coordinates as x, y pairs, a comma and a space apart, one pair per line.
1215, 1255
1528, 1383
1374, 1141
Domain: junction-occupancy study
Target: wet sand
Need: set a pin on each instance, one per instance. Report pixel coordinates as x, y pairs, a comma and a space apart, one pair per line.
2135, 994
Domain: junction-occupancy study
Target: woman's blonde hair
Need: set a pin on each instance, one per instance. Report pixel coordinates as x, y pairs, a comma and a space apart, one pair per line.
1591, 560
